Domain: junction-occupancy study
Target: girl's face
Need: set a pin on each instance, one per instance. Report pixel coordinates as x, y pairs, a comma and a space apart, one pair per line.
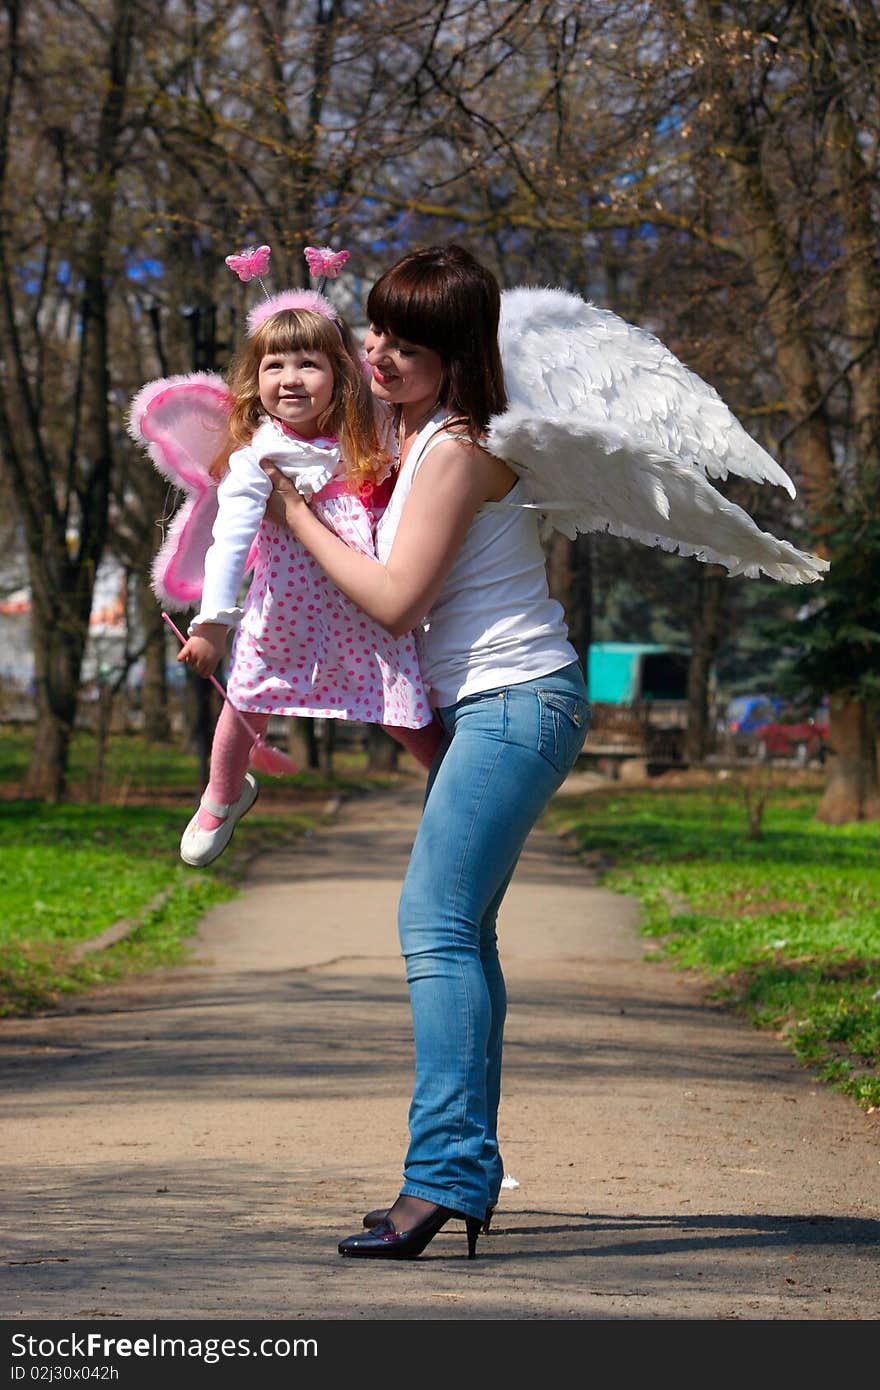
402, 373
296, 387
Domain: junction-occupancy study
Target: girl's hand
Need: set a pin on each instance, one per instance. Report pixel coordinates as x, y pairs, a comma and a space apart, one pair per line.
204, 651
284, 500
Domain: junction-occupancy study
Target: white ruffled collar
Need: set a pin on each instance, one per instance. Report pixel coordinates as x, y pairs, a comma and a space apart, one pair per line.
319, 450
310, 463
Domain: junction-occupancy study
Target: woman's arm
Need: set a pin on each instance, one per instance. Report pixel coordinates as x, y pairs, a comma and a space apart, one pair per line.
453, 481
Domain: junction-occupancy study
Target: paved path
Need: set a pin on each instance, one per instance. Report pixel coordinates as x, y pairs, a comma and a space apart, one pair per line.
194, 1146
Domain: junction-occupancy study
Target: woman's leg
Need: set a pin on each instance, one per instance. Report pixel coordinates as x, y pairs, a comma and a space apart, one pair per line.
492, 1162
510, 750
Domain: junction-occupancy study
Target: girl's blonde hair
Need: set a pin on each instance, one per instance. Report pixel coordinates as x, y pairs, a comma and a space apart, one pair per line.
349, 416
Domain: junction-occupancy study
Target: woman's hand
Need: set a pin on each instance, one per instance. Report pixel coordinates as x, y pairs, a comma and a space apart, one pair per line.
284, 500
455, 479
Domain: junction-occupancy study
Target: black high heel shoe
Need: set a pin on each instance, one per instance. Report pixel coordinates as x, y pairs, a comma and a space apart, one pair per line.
384, 1242
375, 1217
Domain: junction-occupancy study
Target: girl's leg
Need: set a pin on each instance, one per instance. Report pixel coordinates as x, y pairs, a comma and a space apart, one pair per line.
230, 754
421, 743
509, 752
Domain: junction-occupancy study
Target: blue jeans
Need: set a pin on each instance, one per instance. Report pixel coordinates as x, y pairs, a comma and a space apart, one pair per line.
507, 752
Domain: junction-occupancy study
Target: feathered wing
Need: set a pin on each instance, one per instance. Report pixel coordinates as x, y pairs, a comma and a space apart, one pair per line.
610, 432
182, 420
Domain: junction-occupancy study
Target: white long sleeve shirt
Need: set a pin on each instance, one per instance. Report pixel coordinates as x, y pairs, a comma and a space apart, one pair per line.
241, 501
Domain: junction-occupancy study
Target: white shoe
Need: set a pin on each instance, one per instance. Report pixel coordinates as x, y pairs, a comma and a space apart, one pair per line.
198, 846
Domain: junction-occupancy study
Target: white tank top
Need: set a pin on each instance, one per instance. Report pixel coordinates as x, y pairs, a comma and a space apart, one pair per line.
494, 622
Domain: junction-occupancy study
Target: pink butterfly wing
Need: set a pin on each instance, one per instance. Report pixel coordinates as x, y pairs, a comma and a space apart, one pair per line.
254, 261
260, 260
323, 260
336, 262
182, 421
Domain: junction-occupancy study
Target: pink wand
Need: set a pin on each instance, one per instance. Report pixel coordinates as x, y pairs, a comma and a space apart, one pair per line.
262, 757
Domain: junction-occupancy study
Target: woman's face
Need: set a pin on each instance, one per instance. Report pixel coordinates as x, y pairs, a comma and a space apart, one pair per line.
402, 373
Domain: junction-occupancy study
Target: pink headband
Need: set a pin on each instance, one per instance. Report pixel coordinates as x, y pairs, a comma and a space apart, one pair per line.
290, 299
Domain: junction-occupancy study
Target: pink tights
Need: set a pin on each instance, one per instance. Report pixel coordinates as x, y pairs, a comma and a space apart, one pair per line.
230, 754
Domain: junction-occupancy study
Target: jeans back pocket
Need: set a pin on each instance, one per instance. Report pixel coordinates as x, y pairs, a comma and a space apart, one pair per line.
564, 722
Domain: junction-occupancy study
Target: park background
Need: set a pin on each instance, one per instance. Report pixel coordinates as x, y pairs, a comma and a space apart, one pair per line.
706, 170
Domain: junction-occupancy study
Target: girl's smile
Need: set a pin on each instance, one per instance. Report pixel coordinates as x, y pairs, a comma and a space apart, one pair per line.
296, 388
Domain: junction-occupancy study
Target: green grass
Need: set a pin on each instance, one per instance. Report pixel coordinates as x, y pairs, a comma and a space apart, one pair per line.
69, 872
786, 927
138, 772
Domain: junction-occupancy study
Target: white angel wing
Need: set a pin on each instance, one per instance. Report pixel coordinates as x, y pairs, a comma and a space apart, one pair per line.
558, 348
610, 432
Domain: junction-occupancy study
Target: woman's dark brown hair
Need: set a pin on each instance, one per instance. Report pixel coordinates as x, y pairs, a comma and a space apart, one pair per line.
444, 299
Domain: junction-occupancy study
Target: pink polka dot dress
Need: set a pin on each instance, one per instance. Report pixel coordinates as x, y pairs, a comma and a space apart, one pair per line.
304, 648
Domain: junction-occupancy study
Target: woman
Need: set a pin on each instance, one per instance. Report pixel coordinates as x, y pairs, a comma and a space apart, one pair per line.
464, 567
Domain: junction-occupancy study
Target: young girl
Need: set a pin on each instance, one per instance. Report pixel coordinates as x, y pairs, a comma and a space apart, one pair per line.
300, 400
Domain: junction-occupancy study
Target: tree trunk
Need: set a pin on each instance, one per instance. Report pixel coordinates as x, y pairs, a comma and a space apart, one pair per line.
312, 744
103, 727
852, 792
795, 361
203, 707
852, 789
862, 276
154, 691
382, 750
327, 746
298, 174
46, 778
569, 577
705, 637
297, 743
65, 538
59, 639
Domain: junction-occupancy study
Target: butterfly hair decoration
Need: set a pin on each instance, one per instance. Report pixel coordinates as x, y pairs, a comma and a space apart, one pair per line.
324, 263
251, 263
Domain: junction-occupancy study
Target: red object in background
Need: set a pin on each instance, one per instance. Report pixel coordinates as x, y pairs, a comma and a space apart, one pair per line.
803, 739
